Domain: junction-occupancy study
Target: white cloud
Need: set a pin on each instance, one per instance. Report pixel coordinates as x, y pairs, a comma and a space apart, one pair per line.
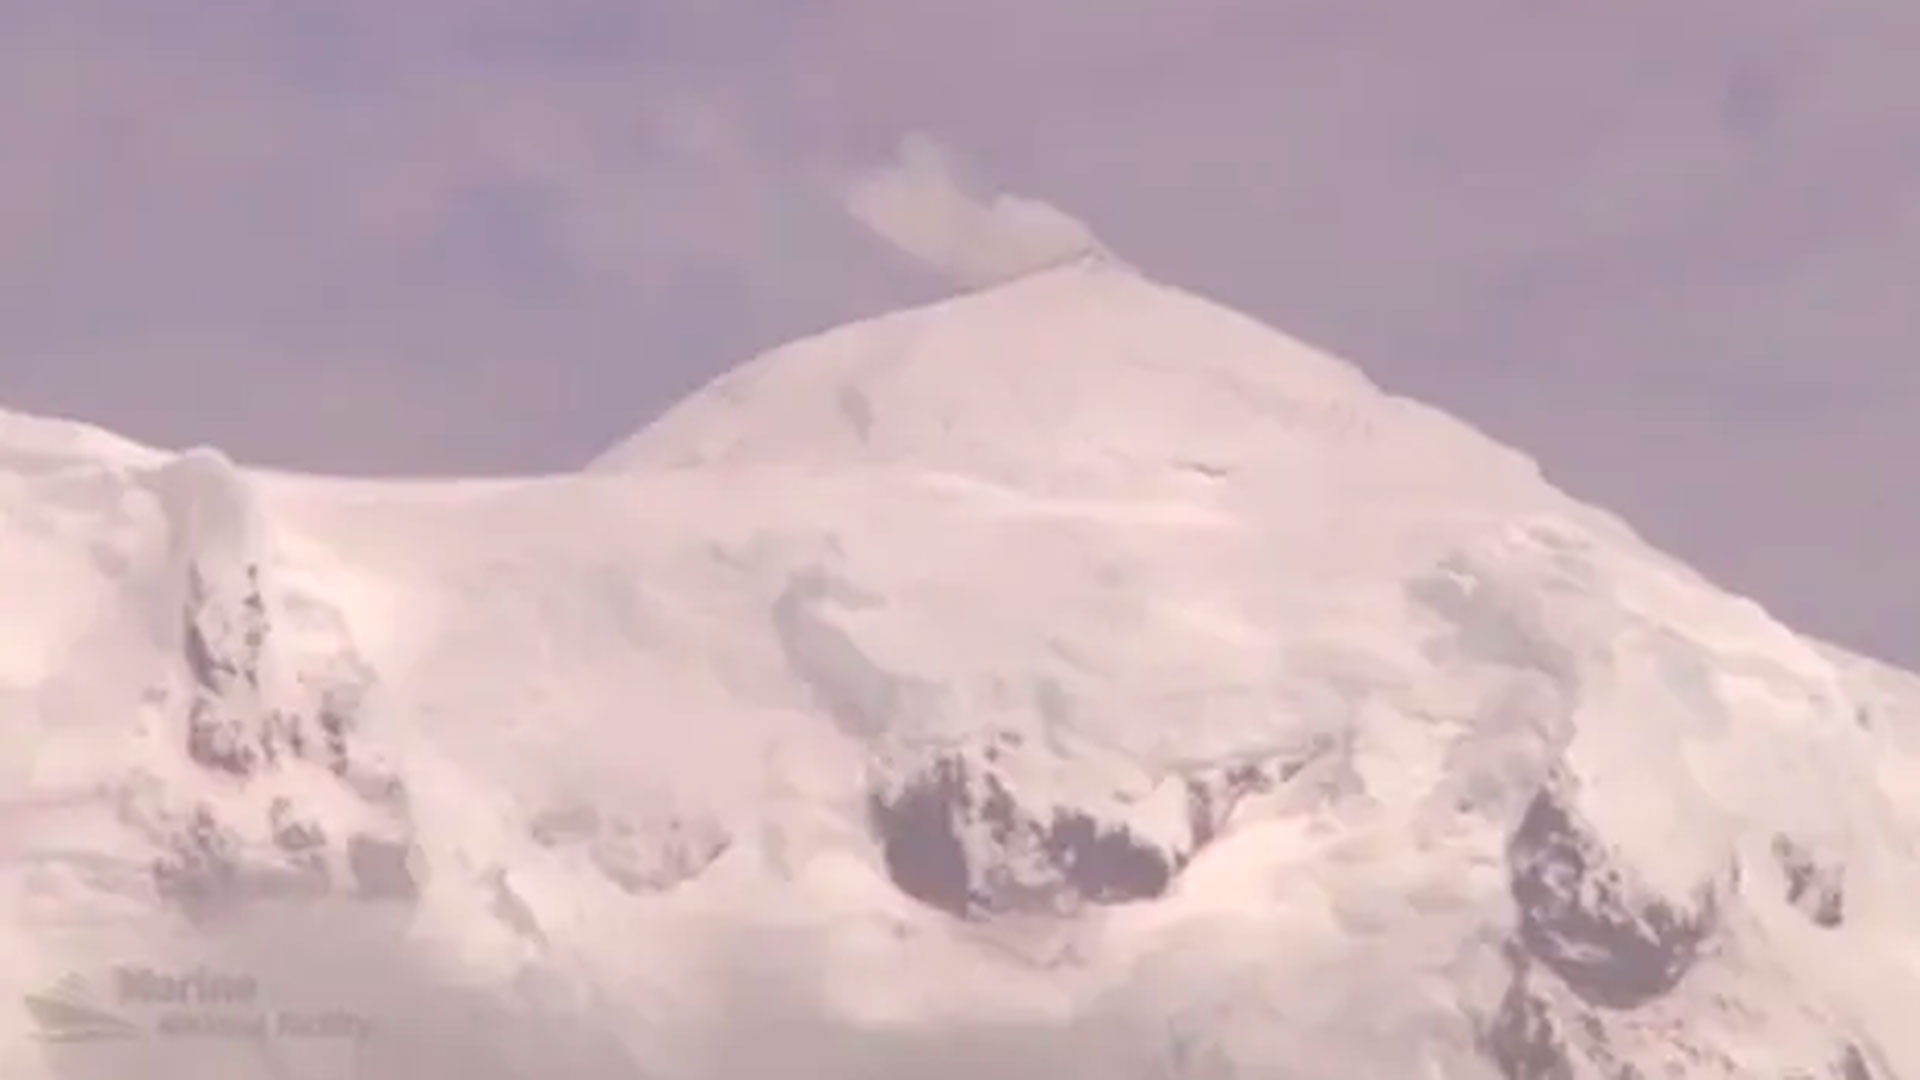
920, 204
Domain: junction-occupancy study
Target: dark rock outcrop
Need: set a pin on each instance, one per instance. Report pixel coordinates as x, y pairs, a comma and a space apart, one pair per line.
1214, 794
382, 868
257, 714
233, 726
1613, 944
1814, 887
224, 638
199, 871
921, 838
1525, 1040
955, 837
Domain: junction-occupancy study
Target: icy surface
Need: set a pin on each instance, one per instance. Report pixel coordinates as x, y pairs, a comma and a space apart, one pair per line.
1073, 678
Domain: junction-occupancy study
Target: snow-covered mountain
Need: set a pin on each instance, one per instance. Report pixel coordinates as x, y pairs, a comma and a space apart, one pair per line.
1069, 679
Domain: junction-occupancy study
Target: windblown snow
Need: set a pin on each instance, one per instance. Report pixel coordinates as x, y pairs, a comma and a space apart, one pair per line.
1073, 678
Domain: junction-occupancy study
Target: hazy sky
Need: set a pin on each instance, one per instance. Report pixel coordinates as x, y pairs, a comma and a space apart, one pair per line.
1673, 250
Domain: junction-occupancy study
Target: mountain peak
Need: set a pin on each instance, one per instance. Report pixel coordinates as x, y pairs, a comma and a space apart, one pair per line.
1074, 374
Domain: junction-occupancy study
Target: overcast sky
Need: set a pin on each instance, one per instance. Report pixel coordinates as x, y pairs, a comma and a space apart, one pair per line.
1673, 250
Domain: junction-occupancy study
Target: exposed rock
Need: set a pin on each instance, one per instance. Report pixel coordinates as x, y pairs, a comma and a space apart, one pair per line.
260, 709
1105, 864
1816, 889
219, 742
1613, 944
921, 840
336, 718
224, 638
199, 871
291, 834
1214, 794
955, 837
382, 869
1524, 1041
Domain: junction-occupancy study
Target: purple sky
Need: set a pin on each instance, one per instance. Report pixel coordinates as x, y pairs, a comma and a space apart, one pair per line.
1673, 250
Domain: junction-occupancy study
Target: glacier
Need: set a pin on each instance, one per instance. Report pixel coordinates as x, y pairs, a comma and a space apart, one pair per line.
1073, 677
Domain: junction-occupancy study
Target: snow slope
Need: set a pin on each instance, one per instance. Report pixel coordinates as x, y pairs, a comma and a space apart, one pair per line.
1073, 678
